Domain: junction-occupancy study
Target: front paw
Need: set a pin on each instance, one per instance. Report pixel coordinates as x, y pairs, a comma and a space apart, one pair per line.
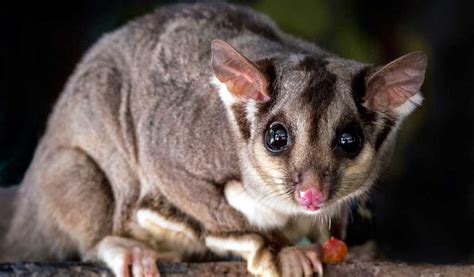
300, 260
128, 257
262, 261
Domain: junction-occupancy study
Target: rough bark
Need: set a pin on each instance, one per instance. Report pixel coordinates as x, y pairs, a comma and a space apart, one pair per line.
354, 269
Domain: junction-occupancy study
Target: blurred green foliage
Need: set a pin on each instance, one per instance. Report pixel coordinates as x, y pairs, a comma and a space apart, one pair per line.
333, 26
307, 18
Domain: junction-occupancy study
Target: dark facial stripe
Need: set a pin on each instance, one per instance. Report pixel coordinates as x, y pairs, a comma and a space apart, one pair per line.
383, 133
240, 113
358, 92
241, 117
267, 66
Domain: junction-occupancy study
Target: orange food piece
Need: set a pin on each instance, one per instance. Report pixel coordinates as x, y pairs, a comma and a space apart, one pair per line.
334, 251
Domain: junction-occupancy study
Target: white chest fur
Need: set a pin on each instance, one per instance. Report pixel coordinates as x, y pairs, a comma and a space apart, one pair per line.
256, 213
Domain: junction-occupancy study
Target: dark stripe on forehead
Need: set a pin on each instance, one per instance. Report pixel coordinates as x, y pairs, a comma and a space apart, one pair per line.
319, 92
241, 117
320, 88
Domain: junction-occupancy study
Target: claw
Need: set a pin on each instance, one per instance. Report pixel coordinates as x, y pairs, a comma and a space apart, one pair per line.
319, 269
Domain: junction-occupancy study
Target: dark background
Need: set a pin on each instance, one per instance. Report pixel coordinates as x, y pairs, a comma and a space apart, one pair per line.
424, 204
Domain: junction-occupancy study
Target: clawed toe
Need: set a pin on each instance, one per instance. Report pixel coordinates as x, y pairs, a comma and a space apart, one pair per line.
136, 263
301, 261
128, 258
144, 263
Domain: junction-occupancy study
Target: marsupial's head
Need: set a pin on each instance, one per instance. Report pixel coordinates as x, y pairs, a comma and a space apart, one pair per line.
313, 129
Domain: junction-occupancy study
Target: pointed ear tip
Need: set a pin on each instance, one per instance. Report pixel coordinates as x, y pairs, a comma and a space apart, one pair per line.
218, 43
419, 57
215, 43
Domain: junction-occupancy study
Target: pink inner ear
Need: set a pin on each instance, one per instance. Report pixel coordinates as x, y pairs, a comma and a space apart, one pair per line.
395, 83
241, 76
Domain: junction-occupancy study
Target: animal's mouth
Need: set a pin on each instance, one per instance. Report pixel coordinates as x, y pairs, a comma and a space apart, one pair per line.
310, 198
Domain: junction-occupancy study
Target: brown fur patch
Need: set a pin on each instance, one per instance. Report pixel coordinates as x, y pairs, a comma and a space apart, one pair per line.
158, 203
241, 118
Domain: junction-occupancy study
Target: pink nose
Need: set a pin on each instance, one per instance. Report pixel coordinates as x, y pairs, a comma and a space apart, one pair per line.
310, 198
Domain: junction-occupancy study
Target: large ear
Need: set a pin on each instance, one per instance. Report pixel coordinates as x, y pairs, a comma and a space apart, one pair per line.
242, 78
394, 84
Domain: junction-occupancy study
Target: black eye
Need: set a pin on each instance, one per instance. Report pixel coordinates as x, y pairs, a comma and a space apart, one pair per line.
350, 140
276, 137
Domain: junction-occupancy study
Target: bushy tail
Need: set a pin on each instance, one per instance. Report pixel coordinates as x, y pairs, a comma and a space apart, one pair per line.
7, 200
